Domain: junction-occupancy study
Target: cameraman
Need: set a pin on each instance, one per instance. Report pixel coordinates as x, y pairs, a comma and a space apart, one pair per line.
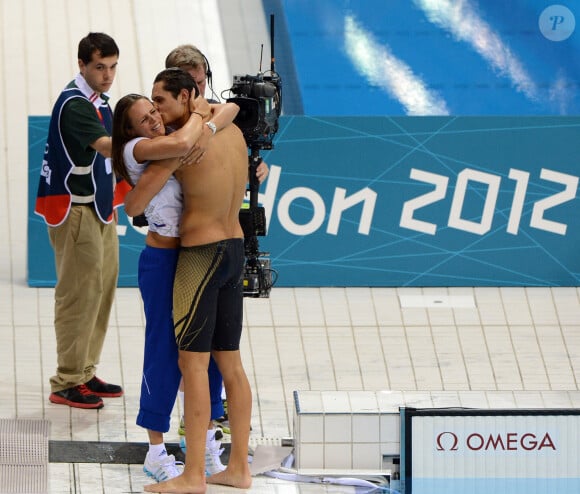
190, 59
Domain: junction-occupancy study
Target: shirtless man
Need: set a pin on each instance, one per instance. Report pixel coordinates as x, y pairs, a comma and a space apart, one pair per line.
207, 295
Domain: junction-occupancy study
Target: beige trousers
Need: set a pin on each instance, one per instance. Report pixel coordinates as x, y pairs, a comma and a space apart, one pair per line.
87, 266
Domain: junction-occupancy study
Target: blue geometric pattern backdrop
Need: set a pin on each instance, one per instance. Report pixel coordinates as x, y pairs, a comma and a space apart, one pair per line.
425, 201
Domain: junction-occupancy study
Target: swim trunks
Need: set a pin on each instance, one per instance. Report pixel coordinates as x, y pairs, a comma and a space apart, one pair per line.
208, 296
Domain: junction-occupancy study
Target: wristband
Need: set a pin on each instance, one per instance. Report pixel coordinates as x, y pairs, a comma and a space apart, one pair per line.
197, 113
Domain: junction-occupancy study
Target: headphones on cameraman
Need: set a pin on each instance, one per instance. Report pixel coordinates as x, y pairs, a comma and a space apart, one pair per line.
209, 80
207, 71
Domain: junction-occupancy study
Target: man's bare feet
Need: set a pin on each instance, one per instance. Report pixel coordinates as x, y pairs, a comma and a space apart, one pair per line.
177, 485
241, 480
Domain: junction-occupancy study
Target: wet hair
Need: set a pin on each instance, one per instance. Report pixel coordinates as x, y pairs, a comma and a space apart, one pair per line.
97, 43
122, 133
174, 80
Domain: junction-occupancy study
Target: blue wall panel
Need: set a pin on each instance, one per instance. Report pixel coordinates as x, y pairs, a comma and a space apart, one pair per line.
400, 201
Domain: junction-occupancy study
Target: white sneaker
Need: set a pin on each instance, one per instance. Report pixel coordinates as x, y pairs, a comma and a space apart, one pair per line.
213, 450
163, 468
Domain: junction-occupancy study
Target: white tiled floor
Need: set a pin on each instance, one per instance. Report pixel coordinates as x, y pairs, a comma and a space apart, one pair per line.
516, 342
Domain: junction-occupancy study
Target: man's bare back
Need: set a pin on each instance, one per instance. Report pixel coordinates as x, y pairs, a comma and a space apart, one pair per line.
213, 190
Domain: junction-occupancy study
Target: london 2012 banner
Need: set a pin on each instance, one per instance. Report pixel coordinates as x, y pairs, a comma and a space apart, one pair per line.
399, 201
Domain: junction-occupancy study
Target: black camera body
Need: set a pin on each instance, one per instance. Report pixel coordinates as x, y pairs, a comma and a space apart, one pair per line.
260, 100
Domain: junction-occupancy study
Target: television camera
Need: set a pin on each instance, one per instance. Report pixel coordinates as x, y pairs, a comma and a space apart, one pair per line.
260, 100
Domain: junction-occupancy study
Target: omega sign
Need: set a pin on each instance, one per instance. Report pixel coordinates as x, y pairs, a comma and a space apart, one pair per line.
504, 441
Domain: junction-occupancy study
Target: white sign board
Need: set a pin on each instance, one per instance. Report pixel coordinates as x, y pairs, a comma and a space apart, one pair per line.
471, 453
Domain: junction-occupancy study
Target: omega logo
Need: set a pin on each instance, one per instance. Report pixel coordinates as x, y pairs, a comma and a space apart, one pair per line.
447, 441
507, 441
